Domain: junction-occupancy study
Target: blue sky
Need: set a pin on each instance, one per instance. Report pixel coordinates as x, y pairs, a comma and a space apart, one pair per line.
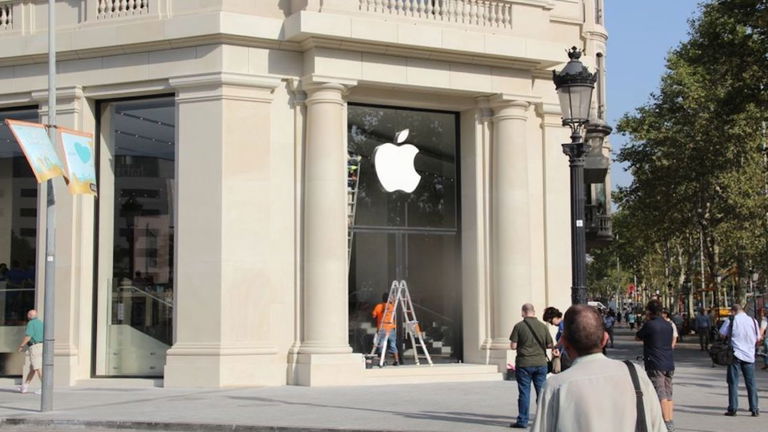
640, 34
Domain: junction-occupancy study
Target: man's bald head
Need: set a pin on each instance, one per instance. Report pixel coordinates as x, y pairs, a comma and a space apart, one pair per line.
32, 314
583, 329
528, 310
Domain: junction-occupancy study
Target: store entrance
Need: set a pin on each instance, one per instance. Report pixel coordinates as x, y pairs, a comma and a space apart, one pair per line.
411, 236
427, 261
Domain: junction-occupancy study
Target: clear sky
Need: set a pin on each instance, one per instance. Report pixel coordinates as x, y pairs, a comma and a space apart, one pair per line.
640, 34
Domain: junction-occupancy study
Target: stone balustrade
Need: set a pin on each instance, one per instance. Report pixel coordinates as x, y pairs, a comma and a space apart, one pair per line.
119, 8
483, 13
6, 16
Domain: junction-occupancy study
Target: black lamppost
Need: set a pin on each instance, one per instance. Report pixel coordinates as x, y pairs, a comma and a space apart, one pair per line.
574, 86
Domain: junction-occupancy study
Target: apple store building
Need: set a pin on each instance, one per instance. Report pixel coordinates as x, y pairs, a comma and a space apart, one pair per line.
264, 180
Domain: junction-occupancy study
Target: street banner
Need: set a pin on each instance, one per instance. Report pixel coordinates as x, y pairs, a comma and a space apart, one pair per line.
79, 160
38, 149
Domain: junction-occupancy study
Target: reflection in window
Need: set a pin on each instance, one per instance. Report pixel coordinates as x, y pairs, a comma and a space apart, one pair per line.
18, 237
136, 236
433, 203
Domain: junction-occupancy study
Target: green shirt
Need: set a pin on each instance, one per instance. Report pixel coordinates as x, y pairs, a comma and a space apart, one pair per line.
35, 330
530, 353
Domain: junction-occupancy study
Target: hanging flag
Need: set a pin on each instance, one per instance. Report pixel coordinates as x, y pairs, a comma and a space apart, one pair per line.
37, 147
79, 160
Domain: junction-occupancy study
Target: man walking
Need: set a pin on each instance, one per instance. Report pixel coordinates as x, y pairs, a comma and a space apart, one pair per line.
703, 329
531, 338
568, 401
33, 344
744, 334
657, 336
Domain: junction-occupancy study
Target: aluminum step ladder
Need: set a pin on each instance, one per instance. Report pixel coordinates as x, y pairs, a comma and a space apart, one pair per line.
399, 295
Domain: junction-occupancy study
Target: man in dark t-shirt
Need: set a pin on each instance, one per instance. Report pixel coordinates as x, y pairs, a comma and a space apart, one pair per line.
530, 338
657, 336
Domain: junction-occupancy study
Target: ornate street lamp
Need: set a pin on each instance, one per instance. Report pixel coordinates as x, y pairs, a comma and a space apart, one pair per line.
575, 85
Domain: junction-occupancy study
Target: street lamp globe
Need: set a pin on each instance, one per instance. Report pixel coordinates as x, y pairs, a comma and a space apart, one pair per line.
574, 85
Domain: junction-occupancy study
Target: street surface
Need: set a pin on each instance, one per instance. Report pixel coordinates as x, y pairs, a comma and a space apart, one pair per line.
700, 399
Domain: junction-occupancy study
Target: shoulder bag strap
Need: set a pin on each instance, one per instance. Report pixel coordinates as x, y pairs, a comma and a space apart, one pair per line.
640, 424
541, 344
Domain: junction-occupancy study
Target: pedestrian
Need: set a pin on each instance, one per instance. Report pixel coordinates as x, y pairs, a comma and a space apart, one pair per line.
657, 336
33, 345
744, 334
554, 317
530, 338
703, 329
609, 321
763, 328
677, 319
386, 327
631, 317
596, 393
675, 334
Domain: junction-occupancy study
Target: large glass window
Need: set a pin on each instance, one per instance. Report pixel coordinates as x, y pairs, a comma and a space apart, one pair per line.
18, 238
410, 236
135, 229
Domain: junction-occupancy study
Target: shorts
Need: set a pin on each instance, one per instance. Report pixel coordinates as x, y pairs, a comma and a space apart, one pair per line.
391, 341
33, 358
662, 382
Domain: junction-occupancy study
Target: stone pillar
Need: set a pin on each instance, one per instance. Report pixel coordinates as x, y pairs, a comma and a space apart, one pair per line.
224, 281
325, 350
74, 250
557, 208
510, 223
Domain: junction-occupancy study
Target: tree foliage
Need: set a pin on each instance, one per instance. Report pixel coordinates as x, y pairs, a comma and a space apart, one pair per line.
697, 154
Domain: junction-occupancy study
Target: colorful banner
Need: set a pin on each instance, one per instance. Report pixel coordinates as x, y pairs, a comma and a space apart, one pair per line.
79, 159
37, 147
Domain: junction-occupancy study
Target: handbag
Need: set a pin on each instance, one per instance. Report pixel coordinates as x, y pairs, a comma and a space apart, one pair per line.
721, 352
550, 365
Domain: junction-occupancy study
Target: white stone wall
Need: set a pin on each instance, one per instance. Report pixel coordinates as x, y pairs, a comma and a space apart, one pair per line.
261, 89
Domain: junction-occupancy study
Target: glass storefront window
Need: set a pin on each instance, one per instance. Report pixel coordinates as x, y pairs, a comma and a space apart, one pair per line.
136, 236
410, 236
18, 241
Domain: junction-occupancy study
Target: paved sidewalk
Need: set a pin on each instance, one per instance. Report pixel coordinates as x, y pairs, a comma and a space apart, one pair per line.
700, 396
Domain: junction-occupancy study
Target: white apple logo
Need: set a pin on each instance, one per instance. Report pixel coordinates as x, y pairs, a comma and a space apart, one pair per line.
394, 164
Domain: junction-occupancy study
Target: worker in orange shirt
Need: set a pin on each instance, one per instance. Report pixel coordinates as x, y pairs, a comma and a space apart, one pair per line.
387, 328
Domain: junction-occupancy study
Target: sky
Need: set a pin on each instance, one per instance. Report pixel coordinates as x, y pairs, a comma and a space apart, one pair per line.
640, 34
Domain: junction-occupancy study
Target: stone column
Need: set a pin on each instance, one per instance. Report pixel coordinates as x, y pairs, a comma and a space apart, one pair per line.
224, 281
325, 350
74, 250
510, 223
557, 208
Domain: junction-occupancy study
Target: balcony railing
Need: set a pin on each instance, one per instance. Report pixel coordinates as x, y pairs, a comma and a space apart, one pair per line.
483, 13
6, 16
121, 8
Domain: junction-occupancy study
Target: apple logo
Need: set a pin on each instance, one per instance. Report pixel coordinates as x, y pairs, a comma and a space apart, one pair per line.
394, 164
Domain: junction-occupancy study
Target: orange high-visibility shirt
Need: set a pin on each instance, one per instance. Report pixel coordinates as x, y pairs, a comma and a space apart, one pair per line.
387, 321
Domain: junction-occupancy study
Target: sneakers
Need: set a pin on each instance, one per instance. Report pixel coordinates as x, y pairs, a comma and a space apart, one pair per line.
24, 388
730, 413
670, 426
755, 413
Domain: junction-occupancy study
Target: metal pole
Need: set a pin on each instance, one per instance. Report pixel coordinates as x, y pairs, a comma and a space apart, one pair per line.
46, 400
576, 151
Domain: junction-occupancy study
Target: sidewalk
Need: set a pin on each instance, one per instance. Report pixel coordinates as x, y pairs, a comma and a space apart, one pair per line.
700, 397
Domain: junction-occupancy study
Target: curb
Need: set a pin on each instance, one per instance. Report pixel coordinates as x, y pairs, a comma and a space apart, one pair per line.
170, 427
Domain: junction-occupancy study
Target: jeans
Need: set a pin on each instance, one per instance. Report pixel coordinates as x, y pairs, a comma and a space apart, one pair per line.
703, 333
524, 376
748, 370
765, 351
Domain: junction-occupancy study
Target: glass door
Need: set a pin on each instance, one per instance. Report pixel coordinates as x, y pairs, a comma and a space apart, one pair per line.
136, 237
